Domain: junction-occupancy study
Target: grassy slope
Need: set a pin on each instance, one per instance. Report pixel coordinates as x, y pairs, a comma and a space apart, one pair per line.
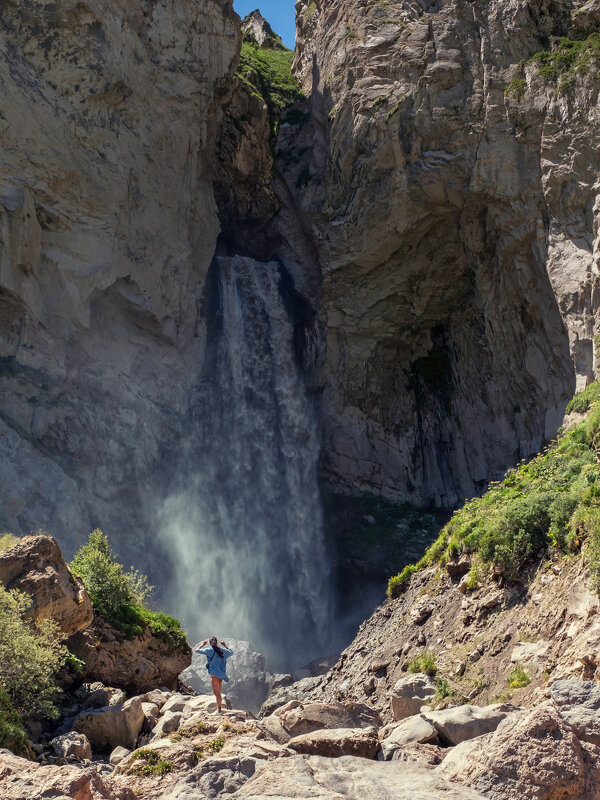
268, 75
551, 502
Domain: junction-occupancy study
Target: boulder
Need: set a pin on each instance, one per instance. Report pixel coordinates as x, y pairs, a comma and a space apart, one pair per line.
532, 754
279, 697
25, 780
413, 730
155, 696
118, 754
578, 703
175, 703
35, 566
337, 742
151, 715
410, 693
111, 726
104, 696
75, 745
299, 718
458, 724
168, 723
347, 778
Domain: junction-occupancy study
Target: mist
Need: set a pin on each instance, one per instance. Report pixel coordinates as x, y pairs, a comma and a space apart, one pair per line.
244, 531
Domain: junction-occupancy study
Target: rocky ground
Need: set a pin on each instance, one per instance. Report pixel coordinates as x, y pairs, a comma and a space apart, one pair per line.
384, 723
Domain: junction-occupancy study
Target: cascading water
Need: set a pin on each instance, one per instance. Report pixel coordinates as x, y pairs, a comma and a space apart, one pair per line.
247, 529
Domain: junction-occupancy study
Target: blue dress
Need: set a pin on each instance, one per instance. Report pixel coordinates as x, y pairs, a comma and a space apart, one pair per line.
216, 663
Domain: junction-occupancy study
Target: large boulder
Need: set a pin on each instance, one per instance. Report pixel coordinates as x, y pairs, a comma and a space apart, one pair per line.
578, 703
532, 754
413, 730
25, 780
113, 726
337, 742
347, 778
300, 718
35, 565
458, 724
410, 693
138, 665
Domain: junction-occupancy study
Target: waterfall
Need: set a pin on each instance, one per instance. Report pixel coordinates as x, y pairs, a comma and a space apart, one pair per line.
247, 529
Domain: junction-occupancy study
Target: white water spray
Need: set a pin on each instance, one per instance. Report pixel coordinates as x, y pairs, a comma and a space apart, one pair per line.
246, 532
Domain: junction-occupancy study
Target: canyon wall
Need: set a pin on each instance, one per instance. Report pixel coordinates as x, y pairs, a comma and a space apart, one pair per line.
456, 228
108, 223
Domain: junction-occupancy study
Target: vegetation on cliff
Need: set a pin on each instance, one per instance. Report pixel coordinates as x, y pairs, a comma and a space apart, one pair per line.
30, 656
551, 502
120, 596
268, 75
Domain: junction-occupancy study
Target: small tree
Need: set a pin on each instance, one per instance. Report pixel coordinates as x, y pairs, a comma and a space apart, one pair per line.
109, 587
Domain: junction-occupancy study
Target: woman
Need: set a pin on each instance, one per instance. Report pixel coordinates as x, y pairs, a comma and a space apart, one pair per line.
216, 662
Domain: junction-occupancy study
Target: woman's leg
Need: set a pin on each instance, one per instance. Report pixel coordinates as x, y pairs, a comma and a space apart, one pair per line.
217, 683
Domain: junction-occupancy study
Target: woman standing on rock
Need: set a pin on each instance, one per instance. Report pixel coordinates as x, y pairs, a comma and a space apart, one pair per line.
216, 663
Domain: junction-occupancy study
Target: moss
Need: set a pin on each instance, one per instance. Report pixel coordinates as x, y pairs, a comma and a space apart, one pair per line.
268, 76
516, 88
551, 502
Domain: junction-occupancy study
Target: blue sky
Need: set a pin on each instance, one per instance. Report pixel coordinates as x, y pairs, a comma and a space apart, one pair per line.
279, 13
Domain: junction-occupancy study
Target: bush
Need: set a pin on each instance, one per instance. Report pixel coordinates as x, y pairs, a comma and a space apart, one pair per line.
518, 678
154, 764
12, 733
119, 596
30, 656
425, 662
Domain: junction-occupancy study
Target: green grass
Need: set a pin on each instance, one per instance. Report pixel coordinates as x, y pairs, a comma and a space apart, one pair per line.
551, 502
131, 619
154, 764
424, 662
268, 76
7, 540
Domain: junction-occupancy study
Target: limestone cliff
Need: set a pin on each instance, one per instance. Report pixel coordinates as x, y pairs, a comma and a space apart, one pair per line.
456, 226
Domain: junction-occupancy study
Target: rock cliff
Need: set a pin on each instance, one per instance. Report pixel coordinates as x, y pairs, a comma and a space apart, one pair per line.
109, 225
451, 192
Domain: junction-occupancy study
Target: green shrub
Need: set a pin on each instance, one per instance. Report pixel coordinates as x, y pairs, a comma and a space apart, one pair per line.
12, 733
154, 764
118, 596
30, 656
518, 677
568, 56
516, 88
443, 689
424, 662
216, 745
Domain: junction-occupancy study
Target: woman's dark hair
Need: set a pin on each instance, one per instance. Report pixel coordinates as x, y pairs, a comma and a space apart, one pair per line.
215, 646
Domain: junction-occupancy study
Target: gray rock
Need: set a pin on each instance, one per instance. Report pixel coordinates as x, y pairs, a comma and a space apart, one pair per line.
111, 726
72, 744
118, 754
578, 703
458, 724
410, 693
412, 730
337, 742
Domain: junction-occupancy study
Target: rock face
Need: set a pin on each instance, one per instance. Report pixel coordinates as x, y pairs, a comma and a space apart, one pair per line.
108, 225
35, 566
456, 238
139, 664
107, 728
